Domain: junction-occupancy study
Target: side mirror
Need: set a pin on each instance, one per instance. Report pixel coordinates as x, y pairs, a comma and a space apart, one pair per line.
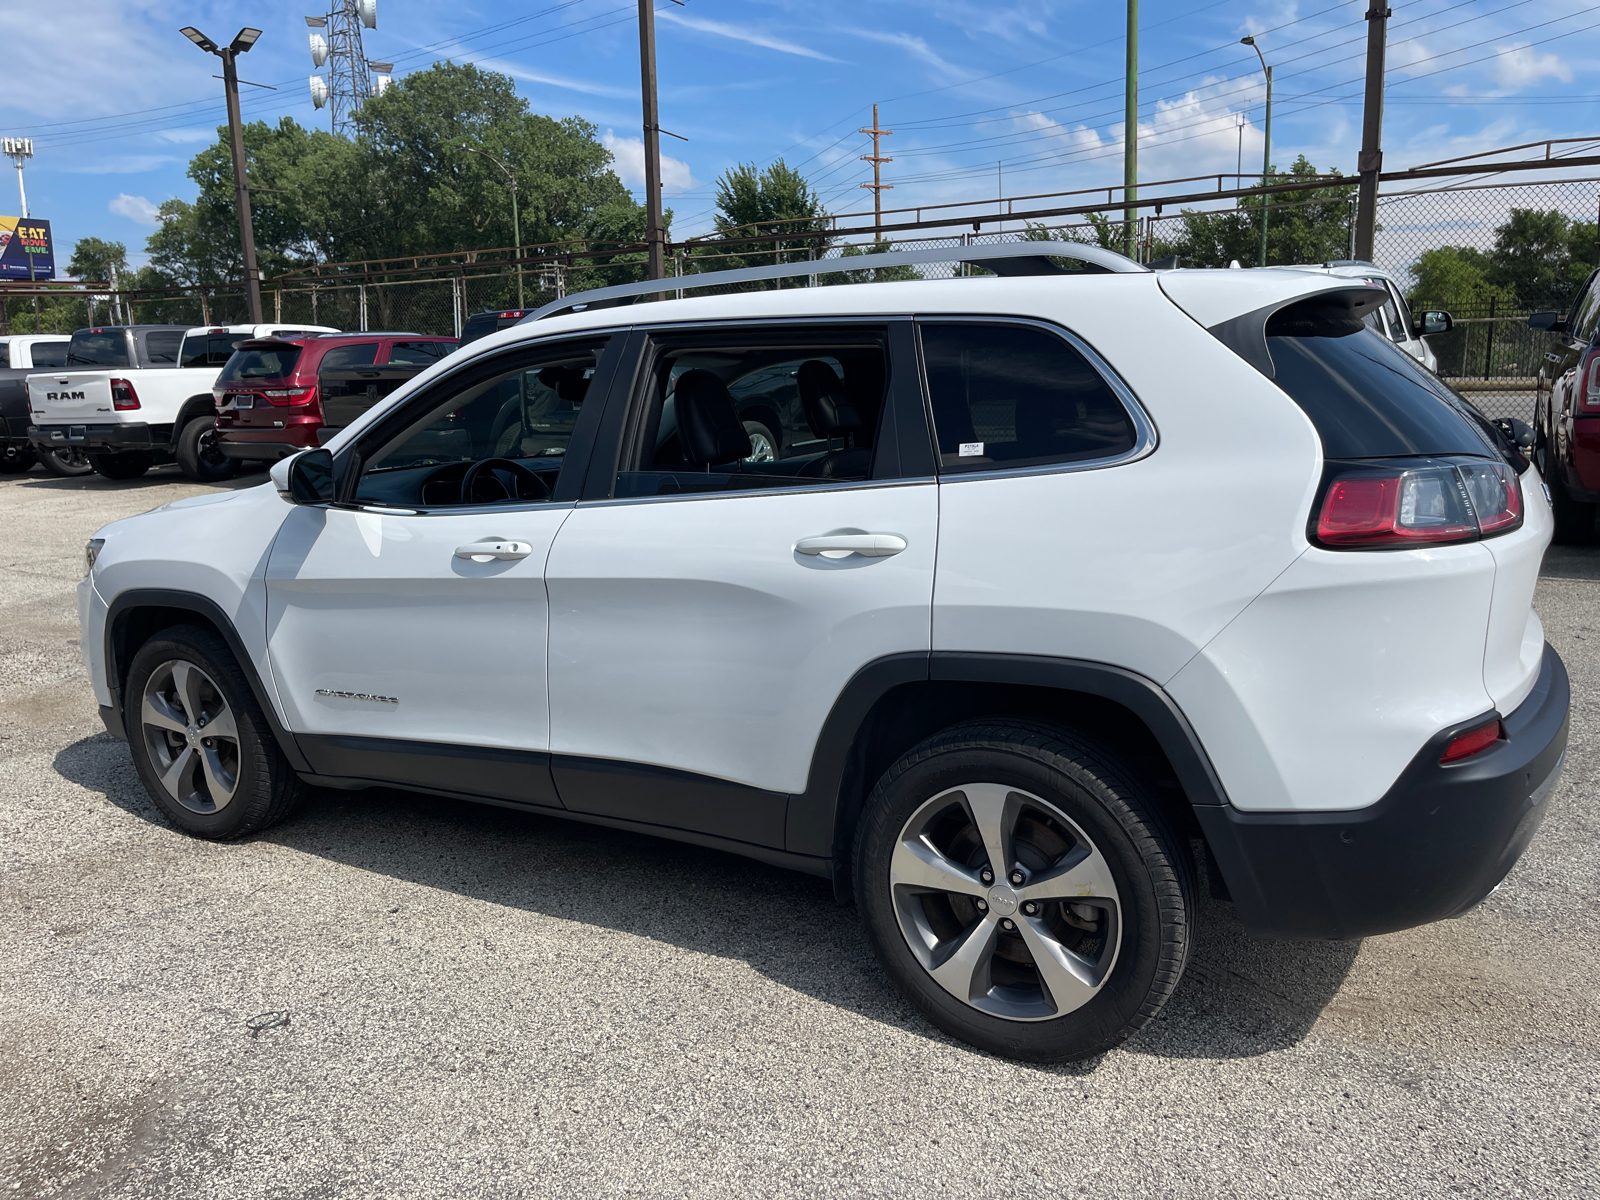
1519, 433
1547, 320
1431, 322
306, 478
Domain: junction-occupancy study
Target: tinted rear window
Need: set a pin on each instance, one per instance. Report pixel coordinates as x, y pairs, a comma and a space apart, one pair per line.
260, 364
50, 354
162, 346
1370, 399
108, 349
208, 349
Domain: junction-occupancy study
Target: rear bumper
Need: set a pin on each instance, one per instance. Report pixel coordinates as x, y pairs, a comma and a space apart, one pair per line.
1436, 844
256, 451
101, 439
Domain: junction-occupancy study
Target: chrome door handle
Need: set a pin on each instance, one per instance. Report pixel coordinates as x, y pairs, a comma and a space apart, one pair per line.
488, 551
868, 545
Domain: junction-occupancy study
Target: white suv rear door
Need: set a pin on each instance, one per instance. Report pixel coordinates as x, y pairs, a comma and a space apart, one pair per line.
699, 635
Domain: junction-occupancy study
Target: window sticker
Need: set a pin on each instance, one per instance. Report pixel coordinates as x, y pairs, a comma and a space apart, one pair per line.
970, 450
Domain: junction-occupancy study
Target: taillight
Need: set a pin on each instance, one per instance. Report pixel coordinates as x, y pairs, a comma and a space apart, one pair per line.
1399, 505
219, 399
123, 397
1473, 741
295, 396
1589, 379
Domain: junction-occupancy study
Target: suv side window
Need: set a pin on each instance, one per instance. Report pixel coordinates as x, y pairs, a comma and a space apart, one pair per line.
342, 358
1010, 395
775, 409
508, 432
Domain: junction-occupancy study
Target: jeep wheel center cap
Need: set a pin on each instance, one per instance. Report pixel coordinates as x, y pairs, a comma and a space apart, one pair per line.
1002, 901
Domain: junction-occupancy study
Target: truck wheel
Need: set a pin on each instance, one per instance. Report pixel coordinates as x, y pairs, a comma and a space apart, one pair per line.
199, 457
1574, 521
129, 465
67, 461
1023, 891
200, 742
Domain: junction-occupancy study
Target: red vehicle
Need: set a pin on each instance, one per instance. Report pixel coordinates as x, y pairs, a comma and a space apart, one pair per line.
278, 396
1566, 422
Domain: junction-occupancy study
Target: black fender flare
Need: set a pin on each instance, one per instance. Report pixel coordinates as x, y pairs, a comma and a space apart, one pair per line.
118, 654
816, 819
194, 406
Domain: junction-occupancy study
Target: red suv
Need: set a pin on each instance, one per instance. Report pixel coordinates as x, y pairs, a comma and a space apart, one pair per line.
277, 396
1566, 421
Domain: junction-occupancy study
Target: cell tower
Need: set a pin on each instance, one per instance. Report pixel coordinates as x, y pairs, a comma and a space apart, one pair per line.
351, 76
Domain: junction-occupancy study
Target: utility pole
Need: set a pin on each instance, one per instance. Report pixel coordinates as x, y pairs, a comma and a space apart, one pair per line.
1266, 147
1371, 161
877, 185
1130, 137
655, 235
241, 186
516, 223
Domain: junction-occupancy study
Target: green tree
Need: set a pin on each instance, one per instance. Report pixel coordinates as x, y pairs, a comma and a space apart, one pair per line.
778, 200
1302, 227
96, 261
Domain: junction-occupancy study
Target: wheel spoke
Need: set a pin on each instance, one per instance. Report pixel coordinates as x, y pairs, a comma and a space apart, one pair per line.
994, 809
1069, 980
221, 786
916, 863
965, 973
159, 713
222, 725
1086, 874
186, 679
173, 777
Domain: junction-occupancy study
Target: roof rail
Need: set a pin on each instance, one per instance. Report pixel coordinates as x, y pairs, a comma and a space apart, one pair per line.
1011, 258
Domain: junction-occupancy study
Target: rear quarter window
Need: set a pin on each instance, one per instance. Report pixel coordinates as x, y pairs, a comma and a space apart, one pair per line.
1370, 399
161, 347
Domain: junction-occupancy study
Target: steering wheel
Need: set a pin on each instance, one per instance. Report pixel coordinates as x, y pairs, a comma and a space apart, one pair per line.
510, 466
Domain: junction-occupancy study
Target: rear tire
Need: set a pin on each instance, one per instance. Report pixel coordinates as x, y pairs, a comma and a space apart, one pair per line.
129, 465
222, 784
1084, 962
66, 461
1574, 521
199, 458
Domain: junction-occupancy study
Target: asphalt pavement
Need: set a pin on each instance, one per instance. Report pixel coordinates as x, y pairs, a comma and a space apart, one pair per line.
397, 996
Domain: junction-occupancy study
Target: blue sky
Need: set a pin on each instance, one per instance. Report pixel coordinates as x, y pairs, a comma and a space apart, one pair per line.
1026, 97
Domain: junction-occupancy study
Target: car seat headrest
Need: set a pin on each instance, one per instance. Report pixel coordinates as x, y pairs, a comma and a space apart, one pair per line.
709, 429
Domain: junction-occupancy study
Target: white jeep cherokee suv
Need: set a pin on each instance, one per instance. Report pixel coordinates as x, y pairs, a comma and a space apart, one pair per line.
1083, 574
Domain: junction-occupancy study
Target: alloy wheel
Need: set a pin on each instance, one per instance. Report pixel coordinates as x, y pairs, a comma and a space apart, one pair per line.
1006, 902
191, 736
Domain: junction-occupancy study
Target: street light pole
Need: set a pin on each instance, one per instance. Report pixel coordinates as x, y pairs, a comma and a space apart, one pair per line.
516, 223
655, 235
241, 186
1130, 135
1266, 148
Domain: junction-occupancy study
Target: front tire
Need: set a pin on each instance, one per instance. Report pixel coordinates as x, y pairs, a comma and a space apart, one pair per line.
1022, 890
198, 456
201, 744
128, 465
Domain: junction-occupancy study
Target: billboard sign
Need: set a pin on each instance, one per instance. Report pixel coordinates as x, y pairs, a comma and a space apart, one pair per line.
26, 251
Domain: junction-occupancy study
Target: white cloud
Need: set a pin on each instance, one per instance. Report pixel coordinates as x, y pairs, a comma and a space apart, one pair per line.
915, 46
135, 208
740, 33
186, 136
1517, 67
627, 156
549, 78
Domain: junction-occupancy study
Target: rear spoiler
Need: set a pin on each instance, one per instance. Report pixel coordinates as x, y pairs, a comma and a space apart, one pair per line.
1333, 313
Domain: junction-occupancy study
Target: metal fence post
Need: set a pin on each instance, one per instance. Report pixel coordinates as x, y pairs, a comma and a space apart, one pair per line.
1488, 341
456, 301
277, 304
362, 290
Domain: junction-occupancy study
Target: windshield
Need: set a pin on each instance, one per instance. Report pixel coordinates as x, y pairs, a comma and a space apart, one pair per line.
98, 348
275, 363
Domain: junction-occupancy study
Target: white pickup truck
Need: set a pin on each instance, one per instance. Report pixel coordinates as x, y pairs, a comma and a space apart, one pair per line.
132, 396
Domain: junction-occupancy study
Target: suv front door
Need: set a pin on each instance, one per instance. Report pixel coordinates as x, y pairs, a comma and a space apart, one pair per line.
699, 634
400, 655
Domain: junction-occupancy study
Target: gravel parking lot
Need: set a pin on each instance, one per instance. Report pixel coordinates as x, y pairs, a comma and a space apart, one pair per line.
475, 1002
